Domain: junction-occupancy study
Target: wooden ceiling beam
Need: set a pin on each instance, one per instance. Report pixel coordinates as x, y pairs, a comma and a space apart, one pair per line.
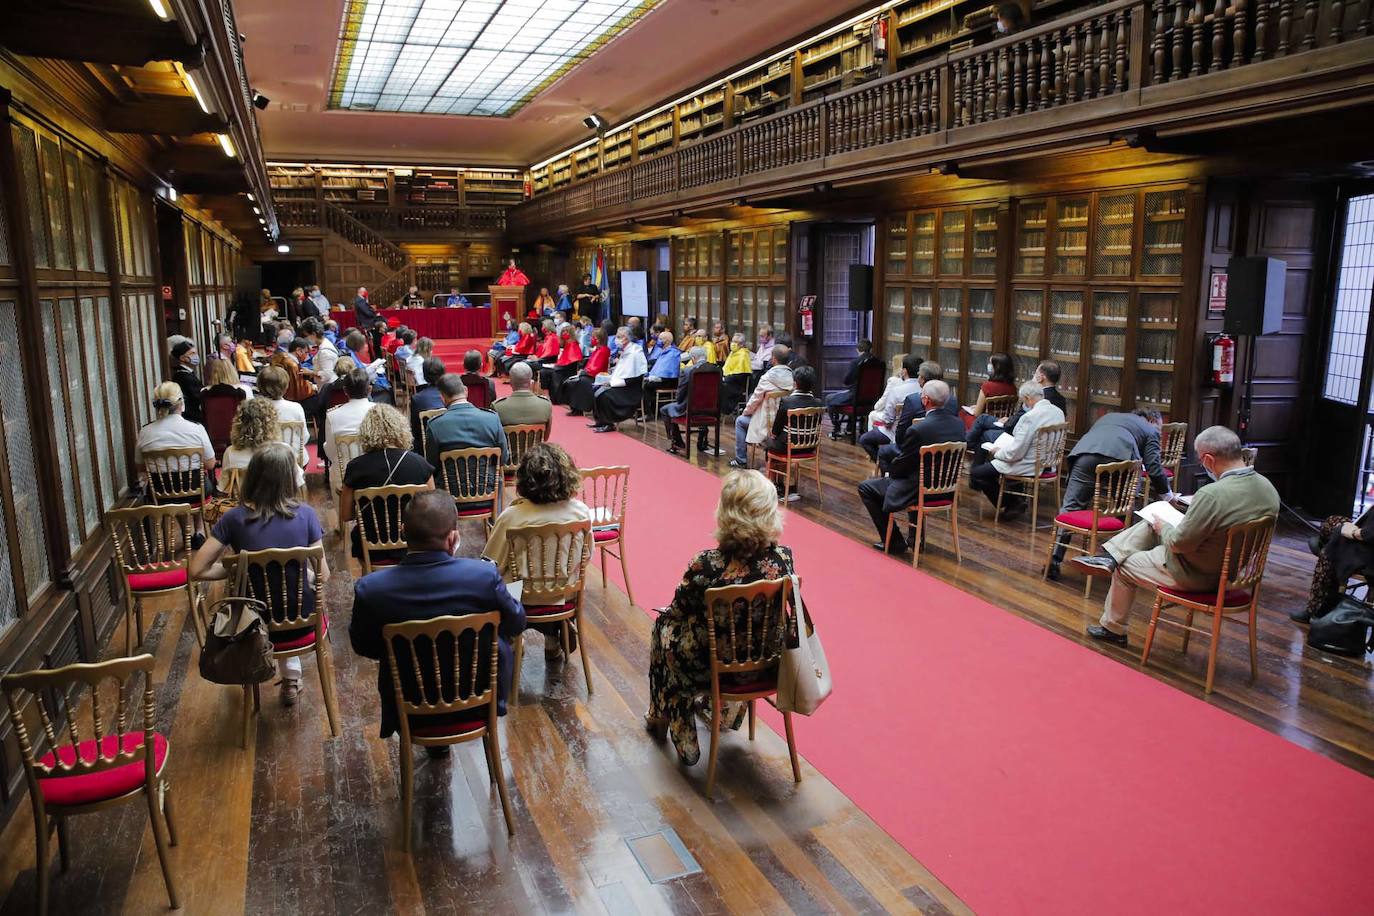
63, 32
173, 117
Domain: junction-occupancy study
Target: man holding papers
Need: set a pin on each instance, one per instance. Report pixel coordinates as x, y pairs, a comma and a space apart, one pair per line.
1015, 453
1182, 550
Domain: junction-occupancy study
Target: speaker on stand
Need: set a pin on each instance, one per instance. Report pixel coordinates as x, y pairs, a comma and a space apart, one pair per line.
1254, 307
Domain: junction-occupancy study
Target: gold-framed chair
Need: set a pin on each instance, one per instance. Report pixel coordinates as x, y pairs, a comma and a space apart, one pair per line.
937, 491
80, 774
472, 476
1049, 447
175, 476
552, 561
606, 492
1173, 439
520, 438
1242, 569
464, 693
347, 446
281, 579
380, 515
1114, 489
425, 417
152, 546
746, 632
803, 430
230, 481
1001, 406
294, 435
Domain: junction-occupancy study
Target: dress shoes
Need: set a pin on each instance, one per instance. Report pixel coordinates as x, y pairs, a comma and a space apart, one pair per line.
1102, 634
1012, 512
1102, 567
1301, 617
1052, 572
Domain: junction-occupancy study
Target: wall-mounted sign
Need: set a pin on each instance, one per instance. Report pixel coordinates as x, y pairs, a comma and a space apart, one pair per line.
1216, 295
167, 294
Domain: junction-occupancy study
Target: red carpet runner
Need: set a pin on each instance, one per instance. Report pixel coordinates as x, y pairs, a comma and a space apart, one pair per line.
1030, 774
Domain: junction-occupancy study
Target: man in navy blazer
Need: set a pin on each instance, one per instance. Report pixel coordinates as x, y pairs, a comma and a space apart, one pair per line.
884, 495
431, 582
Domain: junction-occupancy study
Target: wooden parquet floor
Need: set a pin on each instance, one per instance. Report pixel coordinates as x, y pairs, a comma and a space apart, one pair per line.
302, 823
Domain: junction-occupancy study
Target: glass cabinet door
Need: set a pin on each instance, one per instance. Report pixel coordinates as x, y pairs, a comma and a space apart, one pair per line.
1156, 340
746, 257
715, 249
894, 318
951, 341
984, 242
952, 243
734, 303
897, 245
778, 315
981, 306
1162, 246
732, 267
1066, 342
1110, 311
780, 237
923, 245
922, 322
1028, 310
1031, 231
1115, 230
1071, 236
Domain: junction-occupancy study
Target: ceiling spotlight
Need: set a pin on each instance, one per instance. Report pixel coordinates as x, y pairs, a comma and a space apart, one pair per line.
226, 144
257, 211
594, 122
283, 249
260, 101
159, 9
250, 196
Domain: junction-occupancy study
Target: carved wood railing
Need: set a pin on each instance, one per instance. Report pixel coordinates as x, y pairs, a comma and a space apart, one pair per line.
1109, 55
324, 215
398, 220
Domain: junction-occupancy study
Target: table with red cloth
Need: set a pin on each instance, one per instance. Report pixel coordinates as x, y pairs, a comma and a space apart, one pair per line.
436, 324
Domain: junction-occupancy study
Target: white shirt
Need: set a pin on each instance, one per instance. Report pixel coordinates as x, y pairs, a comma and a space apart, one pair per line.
236, 459
762, 356
344, 420
416, 365
325, 358
631, 364
884, 415
1019, 456
173, 431
288, 411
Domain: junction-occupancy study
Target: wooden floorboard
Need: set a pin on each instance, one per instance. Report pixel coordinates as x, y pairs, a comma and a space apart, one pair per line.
305, 823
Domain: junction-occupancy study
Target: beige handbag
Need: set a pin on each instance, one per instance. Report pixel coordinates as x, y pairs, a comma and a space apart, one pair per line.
803, 673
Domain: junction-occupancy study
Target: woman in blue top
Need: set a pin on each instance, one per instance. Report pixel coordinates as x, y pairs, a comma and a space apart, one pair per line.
270, 517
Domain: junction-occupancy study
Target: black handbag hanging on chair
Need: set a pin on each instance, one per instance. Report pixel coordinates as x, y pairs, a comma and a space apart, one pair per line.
1343, 630
237, 649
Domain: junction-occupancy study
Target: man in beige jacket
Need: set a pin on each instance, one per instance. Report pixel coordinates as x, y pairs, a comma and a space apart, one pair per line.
755, 422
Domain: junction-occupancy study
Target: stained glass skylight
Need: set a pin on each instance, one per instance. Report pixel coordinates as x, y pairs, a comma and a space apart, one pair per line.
467, 57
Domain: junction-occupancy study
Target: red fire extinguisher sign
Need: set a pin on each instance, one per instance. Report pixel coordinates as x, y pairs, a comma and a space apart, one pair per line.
1223, 360
807, 311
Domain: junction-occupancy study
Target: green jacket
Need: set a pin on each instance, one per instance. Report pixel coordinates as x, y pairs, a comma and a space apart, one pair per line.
1198, 543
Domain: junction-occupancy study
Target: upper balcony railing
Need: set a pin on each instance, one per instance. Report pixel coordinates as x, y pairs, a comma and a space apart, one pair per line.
1106, 66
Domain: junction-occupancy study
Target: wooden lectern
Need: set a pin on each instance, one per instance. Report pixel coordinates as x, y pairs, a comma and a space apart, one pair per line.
506, 300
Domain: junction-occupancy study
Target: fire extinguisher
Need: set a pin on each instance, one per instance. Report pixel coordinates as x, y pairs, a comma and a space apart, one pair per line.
807, 317
1223, 360
878, 32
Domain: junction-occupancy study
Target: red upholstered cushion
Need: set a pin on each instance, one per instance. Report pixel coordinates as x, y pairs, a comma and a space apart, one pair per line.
1235, 597
449, 730
151, 582
299, 642
803, 453
1049, 474
939, 502
377, 562
1168, 472
1083, 518
473, 513
845, 409
546, 610
605, 534
754, 682
94, 787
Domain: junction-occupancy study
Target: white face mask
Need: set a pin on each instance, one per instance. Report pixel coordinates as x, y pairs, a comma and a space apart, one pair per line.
989, 369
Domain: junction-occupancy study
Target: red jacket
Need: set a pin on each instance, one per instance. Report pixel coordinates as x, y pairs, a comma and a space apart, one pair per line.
548, 347
571, 353
524, 346
600, 360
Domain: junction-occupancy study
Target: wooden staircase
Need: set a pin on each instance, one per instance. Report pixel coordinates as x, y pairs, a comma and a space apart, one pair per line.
352, 254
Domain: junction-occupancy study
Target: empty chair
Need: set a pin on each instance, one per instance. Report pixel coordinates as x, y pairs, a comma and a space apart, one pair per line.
152, 546
119, 759
605, 491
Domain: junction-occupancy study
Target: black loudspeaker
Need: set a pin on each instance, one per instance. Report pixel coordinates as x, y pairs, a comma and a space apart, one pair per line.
1254, 296
661, 286
860, 288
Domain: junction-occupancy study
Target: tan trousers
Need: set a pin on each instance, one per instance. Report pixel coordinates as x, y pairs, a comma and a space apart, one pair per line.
1140, 560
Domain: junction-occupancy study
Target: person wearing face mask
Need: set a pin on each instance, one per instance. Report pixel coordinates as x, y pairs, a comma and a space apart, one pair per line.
319, 301
186, 373
1010, 18
1189, 555
1001, 382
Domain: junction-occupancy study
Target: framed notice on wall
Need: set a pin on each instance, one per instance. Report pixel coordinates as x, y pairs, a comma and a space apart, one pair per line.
1216, 295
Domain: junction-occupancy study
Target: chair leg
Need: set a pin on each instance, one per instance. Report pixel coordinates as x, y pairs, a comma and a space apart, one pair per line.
582, 650
715, 745
155, 815
603, 566
407, 792
792, 746
1187, 633
954, 527
1150, 633
1092, 551
624, 570
887, 538
1254, 647
167, 815
324, 665
1001, 489
751, 720
42, 859
920, 535
63, 849
486, 749
1212, 652
494, 763
515, 673
1035, 505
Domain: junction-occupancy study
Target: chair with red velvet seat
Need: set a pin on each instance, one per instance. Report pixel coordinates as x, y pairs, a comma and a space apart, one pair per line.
444, 674
802, 427
746, 633
1114, 489
606, 491
552, 561
703, 407
937, 491
219, 403
1242, 568
473, 477
280, 579
380, 514
153, 549
868, 388
1050, 443
84, 771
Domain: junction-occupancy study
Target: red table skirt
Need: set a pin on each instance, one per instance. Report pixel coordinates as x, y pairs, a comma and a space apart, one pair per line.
433, 323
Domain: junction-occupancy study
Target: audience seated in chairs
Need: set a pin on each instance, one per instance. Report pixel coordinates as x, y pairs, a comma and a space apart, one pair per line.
748, 527
552, 378
1186, 557
737, 373
801, 398
695, 402
345, 420
186, 374
326, 353
220, 399
988, 428
579, 392
1000, 383
386, 461
1114, 437
1018, 456
664, 367
415, 363
171, 429
882, 496
912, 409
270, 516
523, 348
850, 403
481, 390
255, 427
461, 425
272, 382
755, 422
1344, 548
522, 407
619, 398
430, 582
501, 346
426, 396
547, 485
883, 418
